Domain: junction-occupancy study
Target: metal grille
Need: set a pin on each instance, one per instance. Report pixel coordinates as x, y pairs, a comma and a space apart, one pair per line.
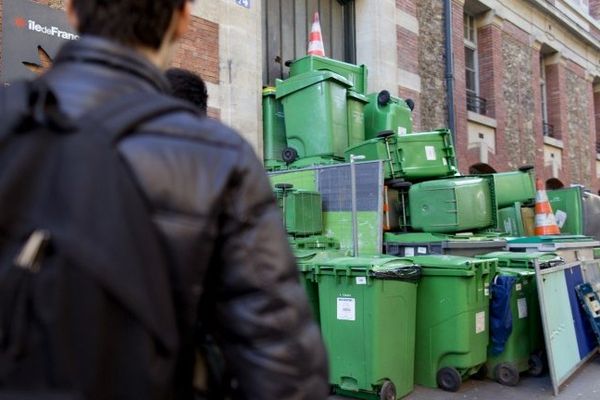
476, 104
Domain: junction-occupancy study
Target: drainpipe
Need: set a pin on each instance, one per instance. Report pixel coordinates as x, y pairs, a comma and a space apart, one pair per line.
449, 68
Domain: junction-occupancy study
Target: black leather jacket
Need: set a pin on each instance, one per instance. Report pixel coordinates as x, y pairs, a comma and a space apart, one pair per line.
213, 206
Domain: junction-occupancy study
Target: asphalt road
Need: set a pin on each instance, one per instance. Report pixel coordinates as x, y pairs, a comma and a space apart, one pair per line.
585, 384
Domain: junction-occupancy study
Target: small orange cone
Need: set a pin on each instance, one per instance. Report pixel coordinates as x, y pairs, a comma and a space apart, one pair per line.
545, 222
315, 40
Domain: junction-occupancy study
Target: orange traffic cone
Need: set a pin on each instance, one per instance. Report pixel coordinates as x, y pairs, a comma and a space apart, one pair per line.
545, 222
315, 41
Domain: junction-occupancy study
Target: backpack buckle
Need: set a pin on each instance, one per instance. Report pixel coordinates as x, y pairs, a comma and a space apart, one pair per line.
30, 256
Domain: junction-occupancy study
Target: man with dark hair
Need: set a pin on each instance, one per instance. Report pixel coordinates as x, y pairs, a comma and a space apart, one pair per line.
210, 201
188, 86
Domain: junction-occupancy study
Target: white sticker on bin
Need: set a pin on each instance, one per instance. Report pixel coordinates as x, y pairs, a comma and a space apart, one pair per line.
518, 287
430, 153
480, 322
486, 292
522, 307
409, 251
402, 131
361, 280
346, 309
561, 218
422, 250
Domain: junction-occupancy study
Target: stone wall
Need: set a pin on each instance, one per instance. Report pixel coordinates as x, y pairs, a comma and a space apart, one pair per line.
578, 123
432, 61
519, 104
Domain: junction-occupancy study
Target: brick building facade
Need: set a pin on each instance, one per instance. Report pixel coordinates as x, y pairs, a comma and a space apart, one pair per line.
526, 73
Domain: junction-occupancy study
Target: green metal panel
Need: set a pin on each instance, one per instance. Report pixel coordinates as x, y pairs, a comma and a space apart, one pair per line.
316, 113
394, 116
452, 316
338, 224
356, 74
368, 325
451, 205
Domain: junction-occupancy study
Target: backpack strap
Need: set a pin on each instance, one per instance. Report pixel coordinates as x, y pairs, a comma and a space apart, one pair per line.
121, 116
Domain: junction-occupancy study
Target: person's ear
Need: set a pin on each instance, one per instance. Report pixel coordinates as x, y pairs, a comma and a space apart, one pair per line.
72, 15
182, 23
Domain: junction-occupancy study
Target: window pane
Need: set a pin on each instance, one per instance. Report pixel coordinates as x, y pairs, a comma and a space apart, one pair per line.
471, 80
469, 58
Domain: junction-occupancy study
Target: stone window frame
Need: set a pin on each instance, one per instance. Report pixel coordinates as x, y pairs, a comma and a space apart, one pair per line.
470, 43
544, 91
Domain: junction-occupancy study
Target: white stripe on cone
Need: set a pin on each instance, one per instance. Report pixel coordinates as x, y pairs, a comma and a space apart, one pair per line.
315, 44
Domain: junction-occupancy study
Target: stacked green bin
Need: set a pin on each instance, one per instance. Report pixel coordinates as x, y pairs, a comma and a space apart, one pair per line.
525, 347
317, 242
414, 157
514, 186
316, 115
387, 113
273, 130
452, 319
356, 74
367, 307
412, 244
577, 210
510, 220
452, 205
356, 117
302, 210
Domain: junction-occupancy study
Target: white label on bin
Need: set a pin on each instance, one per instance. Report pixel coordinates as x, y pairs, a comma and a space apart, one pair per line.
402, 131
409, 252
422, 250
444, 162
561, 218
518, 287
522, 306
361, 280
486, 292
430, 153
480, 322
346, 309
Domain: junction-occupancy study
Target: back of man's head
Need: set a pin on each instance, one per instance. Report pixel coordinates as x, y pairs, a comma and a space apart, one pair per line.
135, 23
188, 86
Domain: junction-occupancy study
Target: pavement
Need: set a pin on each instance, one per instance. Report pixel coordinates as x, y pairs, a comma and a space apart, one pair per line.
585, 384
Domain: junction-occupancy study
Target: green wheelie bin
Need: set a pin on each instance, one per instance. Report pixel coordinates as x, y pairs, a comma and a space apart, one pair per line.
387, 113
452, 319
367, 307
522, 349
356, 74
528, 336
274, 140
316, 115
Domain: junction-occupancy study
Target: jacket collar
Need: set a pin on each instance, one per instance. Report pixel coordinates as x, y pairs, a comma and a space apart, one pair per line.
95, 50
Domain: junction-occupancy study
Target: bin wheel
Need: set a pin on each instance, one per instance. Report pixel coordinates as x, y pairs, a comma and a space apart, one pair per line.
385, 134
481, 373
398, 184
387, 391
284, 186
289, 155
449, 379
536, 365
383, 98
410, 103
507, 374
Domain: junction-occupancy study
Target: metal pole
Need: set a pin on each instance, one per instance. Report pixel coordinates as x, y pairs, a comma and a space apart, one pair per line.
353, 160
449, 68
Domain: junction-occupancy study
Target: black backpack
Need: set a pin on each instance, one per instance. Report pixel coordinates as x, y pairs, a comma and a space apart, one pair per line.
86, 308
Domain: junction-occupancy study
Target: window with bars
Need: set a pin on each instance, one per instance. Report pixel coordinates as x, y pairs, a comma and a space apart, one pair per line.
548, 129
287, 23
475, 103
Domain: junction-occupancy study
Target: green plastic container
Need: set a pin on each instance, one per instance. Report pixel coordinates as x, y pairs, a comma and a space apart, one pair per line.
512, 187
452, 319
314, 243
356, 74
368, 323
302, 211
577, 211
316, 114
524, 347
510, 220
274, 140
387, 113
411, 244
414, 157
510, 259
356, 117
451, 205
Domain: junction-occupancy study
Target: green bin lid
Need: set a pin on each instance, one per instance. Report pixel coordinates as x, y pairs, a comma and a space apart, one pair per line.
551, 239
445, 262
302, 81
357, 96
439, 237
518, 272
522, 260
